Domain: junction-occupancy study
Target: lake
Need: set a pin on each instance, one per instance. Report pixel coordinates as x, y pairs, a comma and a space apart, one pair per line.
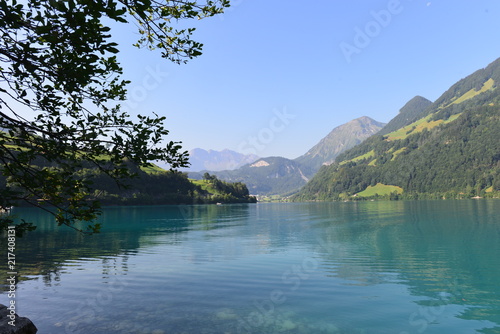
359, 267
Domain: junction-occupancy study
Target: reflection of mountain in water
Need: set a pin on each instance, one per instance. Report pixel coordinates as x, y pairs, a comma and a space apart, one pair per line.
444, 253
444, 257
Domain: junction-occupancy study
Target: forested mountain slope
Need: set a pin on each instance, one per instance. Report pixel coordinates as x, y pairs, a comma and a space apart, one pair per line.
152, 185
452, 151
339, 140
282, 176
411, 112
267, 176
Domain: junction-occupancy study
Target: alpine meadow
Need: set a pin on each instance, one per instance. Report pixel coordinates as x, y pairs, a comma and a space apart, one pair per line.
447, 149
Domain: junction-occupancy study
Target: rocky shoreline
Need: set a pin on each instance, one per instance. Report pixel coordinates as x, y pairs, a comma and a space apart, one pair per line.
11, 323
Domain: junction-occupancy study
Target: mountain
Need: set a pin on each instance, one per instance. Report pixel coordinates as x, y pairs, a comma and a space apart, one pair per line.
338, 140
282, 176
451, 151
211, 160
411, 112
267, 176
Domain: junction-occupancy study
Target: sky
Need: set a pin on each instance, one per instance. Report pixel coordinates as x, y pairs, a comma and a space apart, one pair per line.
277, 76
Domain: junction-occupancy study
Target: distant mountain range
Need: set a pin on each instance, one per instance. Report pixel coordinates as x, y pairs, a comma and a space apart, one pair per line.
449, 148
446, 149
279, 176
211, 160
268, 176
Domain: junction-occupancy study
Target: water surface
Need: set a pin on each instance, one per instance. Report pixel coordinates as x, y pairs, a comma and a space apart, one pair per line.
367, 267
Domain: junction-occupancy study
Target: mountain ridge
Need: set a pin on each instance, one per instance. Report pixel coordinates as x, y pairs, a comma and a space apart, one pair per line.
281, 176
408, 114
338, 140
451, 151
213, 160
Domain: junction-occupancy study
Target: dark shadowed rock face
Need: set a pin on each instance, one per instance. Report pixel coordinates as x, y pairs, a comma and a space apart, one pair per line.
21, 325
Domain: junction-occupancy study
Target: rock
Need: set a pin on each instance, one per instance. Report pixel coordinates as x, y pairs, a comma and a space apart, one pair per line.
226, 314
287, 325
21, 325
158, 331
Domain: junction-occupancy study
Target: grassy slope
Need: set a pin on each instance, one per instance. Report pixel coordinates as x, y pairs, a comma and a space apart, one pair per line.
153, 169
398, 152
205, 185
427, 123
426, 155
419, 126
380, 189
361, 157
473, 93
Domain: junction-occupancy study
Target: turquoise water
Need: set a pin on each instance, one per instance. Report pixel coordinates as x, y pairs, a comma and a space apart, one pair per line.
367, 267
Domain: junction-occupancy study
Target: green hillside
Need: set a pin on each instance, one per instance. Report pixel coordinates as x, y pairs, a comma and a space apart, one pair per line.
379, 190
152, 185
267, 176
411, 112
276, 176
339, 140
157, 186
452, 151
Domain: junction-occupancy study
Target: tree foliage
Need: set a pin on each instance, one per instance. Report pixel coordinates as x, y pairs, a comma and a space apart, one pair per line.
411, 112
60, 90
227, 192
167, 187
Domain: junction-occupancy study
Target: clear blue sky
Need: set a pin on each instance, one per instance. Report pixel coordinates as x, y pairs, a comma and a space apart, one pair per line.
277, 76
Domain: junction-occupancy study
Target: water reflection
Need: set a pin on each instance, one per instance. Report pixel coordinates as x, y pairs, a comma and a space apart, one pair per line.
343, 267
125, 231
444, 257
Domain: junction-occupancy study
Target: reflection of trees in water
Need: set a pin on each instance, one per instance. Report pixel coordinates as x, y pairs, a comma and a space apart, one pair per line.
110, 266
49, 249
444, 252
446, 256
